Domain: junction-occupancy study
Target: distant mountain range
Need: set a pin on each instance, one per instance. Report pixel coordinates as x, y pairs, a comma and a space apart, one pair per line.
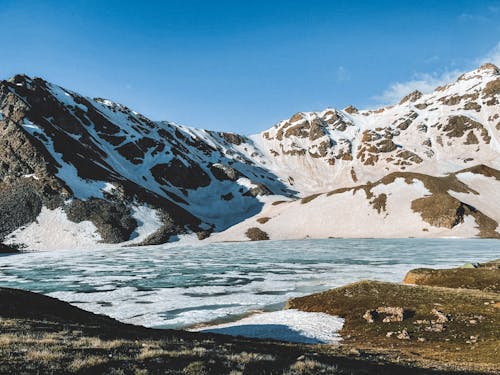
78, 172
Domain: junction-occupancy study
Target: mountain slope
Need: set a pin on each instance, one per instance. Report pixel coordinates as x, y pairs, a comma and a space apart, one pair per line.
98, 162
426, 167
452, 128
401, 204
107, 174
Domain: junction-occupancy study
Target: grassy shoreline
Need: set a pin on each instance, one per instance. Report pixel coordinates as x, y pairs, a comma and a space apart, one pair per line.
40, 334
446, 318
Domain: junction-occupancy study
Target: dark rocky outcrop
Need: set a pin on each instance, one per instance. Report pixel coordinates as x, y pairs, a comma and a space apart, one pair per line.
47, 132
233, 138
256, 190
20, 204
256, 234
224, 172
112, 219
181, 175
8, 249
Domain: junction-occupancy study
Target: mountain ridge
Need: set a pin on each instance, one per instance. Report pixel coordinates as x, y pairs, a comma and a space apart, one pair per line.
102, 168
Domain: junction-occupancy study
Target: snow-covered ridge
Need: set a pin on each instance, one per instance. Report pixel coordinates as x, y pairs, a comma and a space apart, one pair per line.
454, 127
99, 161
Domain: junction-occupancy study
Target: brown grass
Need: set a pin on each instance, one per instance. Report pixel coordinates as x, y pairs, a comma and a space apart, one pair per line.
80, 362
487, 280
451, 345
309, 198
276, 203
43, 355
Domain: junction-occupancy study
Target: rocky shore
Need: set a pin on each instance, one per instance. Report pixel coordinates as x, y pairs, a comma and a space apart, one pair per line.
447, 319
389, 329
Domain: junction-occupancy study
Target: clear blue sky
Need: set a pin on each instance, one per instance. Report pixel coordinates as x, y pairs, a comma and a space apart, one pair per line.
242, 65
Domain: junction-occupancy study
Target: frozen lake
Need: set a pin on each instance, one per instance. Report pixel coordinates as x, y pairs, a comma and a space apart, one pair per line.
177, 286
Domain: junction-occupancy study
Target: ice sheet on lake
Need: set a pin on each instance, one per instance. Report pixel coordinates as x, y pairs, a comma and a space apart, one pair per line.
177, 286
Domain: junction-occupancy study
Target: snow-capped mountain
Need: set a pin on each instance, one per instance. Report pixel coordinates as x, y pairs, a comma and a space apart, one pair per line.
99, 172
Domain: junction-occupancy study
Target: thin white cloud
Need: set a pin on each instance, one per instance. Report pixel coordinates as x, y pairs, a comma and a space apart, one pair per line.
466, 17
492, 57
431, 59
342, 74
427, 82
424, 82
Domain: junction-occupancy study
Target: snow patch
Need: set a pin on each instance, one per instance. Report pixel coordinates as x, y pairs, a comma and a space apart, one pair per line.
52, 230
148, 222
349, 214
286, 325
31, 175
487, 200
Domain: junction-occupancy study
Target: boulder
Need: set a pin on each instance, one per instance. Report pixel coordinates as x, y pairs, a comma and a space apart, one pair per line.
8, 249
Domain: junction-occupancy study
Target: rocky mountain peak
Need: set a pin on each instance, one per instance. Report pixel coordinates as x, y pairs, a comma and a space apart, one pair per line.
20, 79
412, 97
490, 67
351, 109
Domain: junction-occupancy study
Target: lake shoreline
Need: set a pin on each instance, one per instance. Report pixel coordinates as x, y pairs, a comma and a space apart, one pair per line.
42, 334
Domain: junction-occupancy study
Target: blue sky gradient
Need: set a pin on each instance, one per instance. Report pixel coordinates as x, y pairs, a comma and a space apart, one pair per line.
244, 65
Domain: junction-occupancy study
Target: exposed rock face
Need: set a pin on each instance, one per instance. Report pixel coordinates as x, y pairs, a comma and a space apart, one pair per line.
224, 172
5, 249
351, 109
165, 232
453, 124
387, 314
180, 175
112, 219
235, 139
457, 126
411, 97
20, 204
